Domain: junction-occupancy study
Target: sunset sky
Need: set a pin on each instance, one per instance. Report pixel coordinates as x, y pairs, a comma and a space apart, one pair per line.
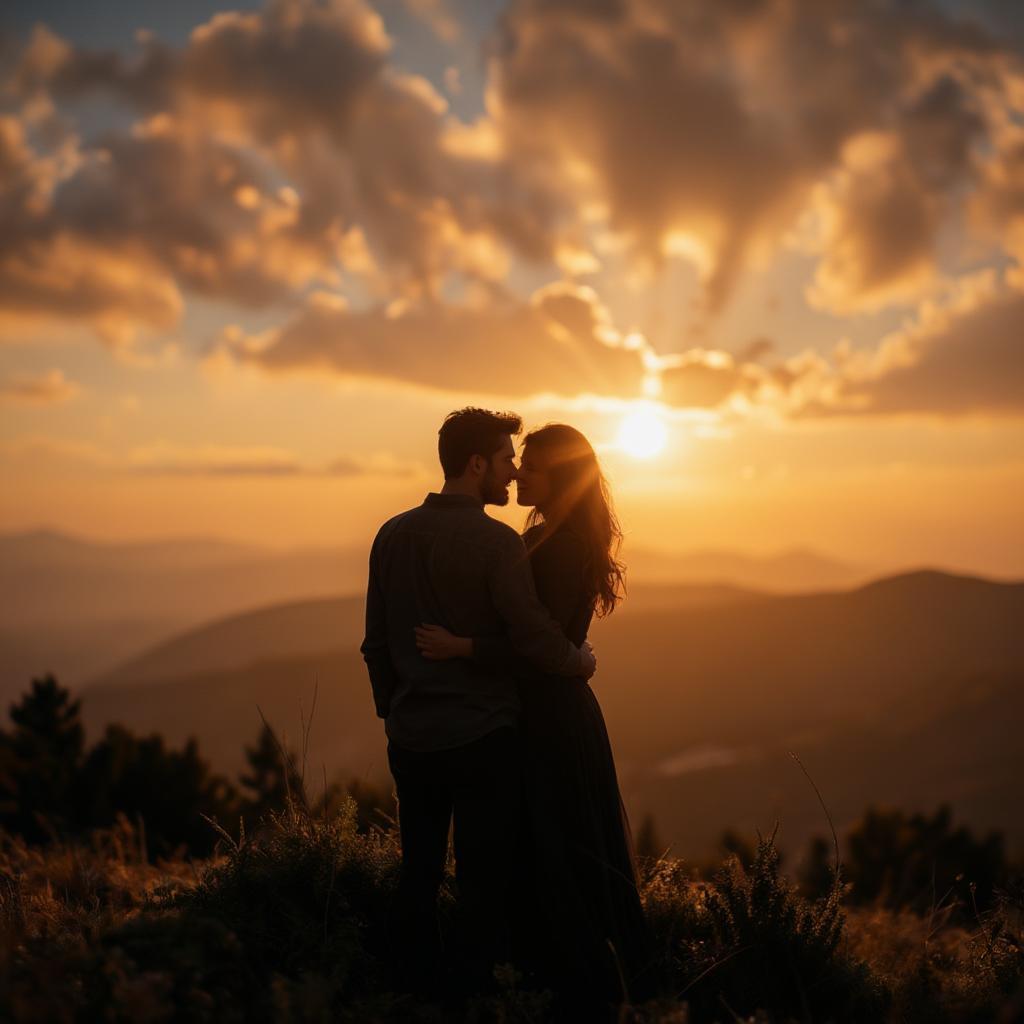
250, 255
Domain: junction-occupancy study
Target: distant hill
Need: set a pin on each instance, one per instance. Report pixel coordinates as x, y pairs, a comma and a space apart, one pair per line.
307, 627
798, 569
222, 708
78, 607
51, 578
278, 632
909, 689
51, 549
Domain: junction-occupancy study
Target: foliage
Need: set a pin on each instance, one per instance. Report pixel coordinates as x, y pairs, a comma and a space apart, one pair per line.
288, 921
937, 971
288, 924
39, 761
309, 894
749, 940
273, 776
52, 788
917, 861
167, 791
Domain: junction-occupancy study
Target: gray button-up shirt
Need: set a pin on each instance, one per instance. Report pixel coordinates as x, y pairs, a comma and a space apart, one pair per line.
447, 562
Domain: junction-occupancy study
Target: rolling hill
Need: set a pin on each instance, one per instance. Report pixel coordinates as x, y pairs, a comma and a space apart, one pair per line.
77, 607
907, 690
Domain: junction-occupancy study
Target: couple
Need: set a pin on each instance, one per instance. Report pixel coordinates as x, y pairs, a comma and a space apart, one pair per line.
477, 656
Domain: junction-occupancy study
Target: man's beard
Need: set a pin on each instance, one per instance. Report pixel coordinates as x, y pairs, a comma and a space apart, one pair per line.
491, 491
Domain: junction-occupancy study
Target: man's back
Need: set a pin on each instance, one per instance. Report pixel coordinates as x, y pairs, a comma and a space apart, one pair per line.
447, 562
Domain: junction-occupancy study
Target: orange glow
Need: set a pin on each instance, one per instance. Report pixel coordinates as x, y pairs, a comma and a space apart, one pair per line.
643, 433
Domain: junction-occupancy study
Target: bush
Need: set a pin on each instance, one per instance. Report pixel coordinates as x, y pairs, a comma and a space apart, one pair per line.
52, 789
747, 940
288, 925
308, 896
166, 790
919, 862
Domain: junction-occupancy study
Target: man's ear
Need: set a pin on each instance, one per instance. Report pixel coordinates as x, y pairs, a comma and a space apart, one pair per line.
477, 465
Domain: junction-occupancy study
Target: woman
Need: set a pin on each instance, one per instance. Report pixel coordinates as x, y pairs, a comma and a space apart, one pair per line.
578, 925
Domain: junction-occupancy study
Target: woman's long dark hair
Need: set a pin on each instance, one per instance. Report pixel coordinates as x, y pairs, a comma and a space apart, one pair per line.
580, 498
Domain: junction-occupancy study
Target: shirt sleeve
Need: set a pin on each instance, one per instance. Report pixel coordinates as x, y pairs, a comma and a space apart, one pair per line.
531, 631
374, 648
557, 567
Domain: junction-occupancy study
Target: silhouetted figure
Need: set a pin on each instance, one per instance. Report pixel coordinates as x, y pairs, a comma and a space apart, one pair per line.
452, 725
578, 925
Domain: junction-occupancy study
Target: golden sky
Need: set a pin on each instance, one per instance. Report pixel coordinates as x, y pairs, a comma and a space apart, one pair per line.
250, 257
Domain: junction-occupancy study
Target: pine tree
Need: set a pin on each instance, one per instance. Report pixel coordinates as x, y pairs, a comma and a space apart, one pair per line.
41, 757
273, 777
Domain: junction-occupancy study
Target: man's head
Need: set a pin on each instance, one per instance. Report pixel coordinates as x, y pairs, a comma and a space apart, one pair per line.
475, 448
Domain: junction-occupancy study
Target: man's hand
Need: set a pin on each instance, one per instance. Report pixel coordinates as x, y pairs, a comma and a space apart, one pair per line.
437, 644
589, 659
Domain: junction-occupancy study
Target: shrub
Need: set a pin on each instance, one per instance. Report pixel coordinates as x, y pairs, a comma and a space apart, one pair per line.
749, 941
918, 862
307, 896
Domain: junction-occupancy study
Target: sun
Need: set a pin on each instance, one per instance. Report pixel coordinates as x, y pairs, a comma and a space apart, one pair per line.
643, 433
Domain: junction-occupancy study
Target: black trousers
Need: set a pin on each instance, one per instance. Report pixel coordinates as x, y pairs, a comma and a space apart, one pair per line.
475, 789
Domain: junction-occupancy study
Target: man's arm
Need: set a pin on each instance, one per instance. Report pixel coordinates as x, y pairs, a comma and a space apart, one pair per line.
532, 632
376, 654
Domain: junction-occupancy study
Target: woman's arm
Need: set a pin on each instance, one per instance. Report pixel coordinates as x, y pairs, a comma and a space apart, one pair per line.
437, 644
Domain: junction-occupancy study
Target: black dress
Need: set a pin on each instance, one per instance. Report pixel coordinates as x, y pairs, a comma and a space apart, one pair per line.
577, 923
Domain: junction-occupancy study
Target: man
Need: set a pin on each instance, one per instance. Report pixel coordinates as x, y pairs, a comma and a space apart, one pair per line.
451, 725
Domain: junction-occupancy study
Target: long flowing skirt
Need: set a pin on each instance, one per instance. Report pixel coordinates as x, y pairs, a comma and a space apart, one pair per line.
578, 924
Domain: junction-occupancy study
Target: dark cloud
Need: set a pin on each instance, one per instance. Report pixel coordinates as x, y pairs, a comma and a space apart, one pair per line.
559, 342
300, 92
280, 151
707, 380
961, 361
720, 122
972, 363
756, 349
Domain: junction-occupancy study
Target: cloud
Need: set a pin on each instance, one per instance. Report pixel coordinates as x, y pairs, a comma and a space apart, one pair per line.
707, 379
967, 358
437, 15
881, 215
374, 465
45, 389
210, 460
710, 129
561, 342
998, 207
280, 161
256, 461
756, 349
36, 448
49, 269
878, 236
213, 460
267, 146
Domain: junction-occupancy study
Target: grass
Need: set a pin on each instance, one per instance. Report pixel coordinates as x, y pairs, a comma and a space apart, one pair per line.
287, 925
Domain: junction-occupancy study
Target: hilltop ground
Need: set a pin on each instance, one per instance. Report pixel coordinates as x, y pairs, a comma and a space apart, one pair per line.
287, 925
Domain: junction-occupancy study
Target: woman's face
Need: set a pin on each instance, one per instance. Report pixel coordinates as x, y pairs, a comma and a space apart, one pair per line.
533, 485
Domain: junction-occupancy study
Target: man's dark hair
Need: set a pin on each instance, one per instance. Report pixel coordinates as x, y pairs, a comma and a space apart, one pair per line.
468, 432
